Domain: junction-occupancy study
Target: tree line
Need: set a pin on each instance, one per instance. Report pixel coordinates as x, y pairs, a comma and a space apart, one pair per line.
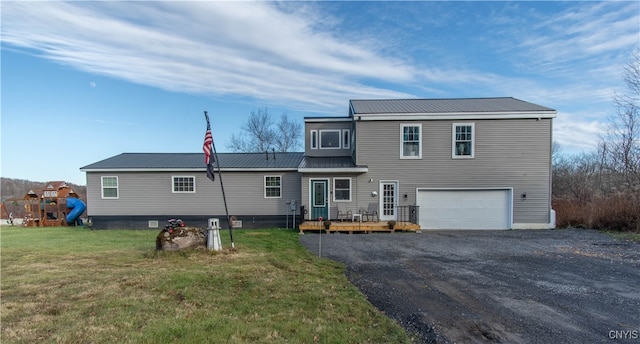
601, 189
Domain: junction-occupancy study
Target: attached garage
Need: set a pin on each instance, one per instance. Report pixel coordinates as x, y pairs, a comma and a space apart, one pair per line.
465, 208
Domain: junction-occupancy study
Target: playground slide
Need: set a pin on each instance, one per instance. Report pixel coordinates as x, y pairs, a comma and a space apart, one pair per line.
78, 208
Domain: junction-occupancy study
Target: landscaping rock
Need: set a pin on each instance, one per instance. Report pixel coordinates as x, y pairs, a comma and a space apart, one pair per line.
181, 238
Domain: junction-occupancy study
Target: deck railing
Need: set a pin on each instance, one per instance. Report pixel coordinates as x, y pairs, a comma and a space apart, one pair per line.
407, 213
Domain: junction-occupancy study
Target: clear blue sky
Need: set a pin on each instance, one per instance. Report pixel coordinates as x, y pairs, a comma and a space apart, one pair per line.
83, 81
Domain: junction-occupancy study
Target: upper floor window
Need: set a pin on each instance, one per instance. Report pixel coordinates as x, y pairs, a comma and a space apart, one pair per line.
109, 187
330, 139
314, 139
411, 141
184, 184
272, 186
342, 189
346, 138
463, 135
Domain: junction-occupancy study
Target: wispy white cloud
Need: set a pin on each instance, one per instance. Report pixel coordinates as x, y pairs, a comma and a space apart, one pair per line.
249, 49
300, 55
578, 132
587, 34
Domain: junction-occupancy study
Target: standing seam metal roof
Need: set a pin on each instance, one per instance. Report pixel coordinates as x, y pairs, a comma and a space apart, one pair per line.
455, 105
328, 162
196, 161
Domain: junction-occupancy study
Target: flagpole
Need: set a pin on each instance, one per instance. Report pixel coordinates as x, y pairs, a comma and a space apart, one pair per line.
224, 197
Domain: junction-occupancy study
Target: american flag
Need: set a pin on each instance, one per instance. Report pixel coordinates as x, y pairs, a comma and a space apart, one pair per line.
206, 147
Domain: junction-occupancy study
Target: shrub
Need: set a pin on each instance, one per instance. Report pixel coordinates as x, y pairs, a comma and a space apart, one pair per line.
617, 212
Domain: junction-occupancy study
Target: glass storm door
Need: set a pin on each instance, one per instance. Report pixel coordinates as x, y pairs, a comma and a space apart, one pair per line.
388, 200
319, 199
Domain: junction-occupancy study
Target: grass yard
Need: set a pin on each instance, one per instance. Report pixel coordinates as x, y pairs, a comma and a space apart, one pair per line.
74, 285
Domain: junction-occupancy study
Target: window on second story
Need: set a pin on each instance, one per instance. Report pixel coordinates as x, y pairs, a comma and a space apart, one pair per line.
330, 139
411, 141
342, 189
463, 140
346, 138
314, 139
272, 186
184, 184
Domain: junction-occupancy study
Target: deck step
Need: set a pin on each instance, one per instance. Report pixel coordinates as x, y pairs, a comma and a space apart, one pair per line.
357, 227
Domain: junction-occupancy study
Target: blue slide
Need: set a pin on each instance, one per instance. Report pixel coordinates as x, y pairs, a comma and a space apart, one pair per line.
78, 208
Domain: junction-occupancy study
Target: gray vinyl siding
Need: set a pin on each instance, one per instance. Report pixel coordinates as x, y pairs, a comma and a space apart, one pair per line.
150, 193
356, 203
325, 126
508, 153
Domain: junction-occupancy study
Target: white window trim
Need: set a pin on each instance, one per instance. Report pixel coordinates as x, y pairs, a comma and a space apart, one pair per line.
173, 184
453, 140
350, 189
346, 138
420, 141
313, 137
102, 187
264, 184
330, 130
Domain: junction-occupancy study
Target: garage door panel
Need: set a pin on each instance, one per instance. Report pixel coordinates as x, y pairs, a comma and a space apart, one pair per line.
465, 209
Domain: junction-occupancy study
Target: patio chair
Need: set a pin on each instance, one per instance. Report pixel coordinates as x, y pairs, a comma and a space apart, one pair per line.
343, 213
372, 212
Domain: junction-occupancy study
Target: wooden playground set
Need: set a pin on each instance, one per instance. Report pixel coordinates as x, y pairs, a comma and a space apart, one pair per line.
55, 205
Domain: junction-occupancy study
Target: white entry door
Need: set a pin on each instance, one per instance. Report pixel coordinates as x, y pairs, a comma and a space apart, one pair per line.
388, 200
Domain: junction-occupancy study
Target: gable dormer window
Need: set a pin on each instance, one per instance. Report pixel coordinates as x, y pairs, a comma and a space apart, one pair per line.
411, 141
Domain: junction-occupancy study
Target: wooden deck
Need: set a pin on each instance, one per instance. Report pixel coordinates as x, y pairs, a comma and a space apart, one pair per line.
357, 227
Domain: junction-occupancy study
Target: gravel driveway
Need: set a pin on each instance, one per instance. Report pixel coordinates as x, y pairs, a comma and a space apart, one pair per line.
543, 286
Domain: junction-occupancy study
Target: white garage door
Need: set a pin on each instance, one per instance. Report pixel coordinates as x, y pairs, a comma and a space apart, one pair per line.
464, 209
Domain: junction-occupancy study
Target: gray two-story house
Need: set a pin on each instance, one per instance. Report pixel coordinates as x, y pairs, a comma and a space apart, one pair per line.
481, 163
465, 163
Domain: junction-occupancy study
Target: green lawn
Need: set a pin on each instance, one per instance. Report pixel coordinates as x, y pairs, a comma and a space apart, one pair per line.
74, 285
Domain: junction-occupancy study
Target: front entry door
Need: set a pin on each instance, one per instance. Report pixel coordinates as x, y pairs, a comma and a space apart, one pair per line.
319, 199
388, 200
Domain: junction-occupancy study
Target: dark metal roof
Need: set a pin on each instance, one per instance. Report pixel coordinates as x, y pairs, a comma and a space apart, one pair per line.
141, 161
456, 105
327, 162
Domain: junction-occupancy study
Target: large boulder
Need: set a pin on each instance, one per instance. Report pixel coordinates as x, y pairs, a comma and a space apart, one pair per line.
180, 238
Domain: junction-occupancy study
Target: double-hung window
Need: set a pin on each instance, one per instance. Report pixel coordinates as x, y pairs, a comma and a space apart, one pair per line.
272, 186
109, 187
184, 184
463, 145
342, 189
411, 141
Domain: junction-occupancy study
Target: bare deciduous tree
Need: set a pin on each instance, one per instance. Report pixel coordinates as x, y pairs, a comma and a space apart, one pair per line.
602, 189
289, 134
620, 146
259, 134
